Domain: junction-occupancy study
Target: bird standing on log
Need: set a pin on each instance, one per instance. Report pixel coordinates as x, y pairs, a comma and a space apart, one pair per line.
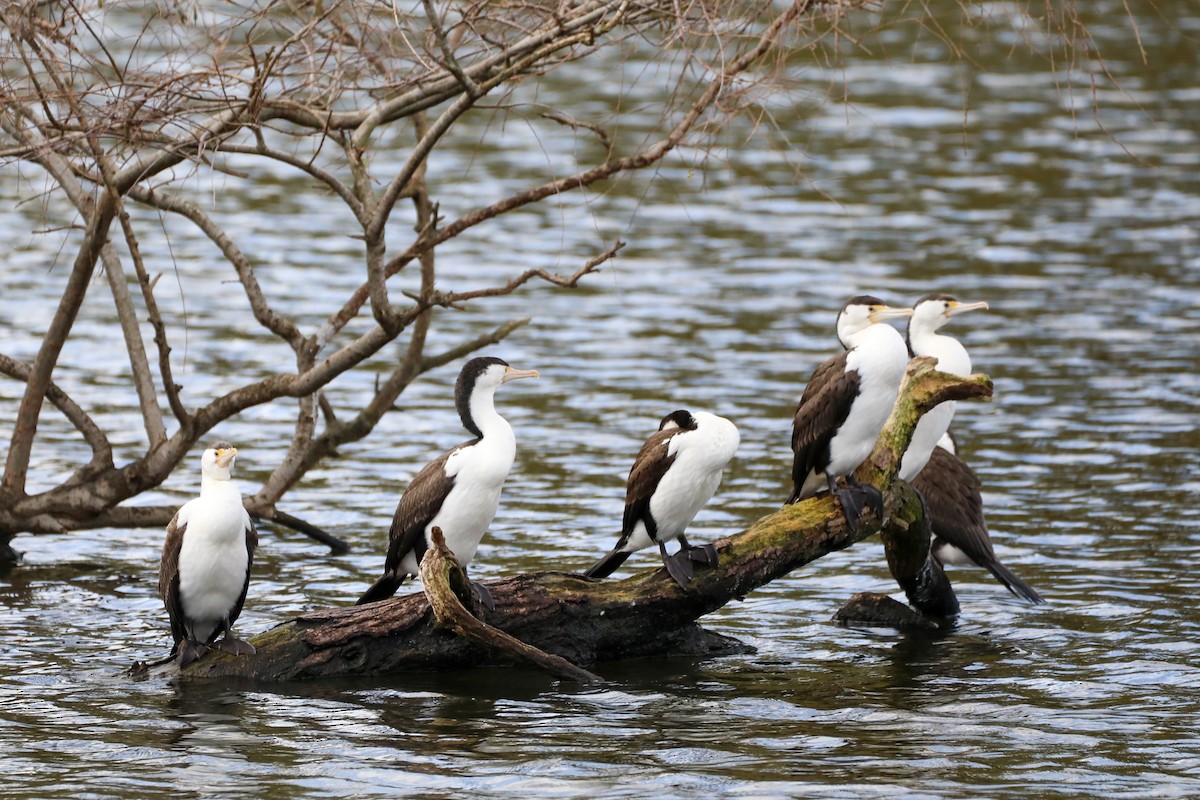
845, 405
930, 313
206, 560
675, 473
459, 491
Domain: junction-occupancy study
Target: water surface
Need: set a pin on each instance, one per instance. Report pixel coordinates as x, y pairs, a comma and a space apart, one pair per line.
991, 181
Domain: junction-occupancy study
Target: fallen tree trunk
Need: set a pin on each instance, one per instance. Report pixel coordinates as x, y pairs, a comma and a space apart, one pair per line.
586, 621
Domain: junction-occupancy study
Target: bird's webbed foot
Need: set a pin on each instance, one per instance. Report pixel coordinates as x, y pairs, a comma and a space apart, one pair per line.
234, 646
857, 496
679, 565
483, 595
190, 650
705, 554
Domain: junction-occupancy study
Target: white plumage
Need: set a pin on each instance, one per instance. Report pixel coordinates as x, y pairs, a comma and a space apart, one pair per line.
690, 482
213, 560
206, 561
478, 474
879, 356
929, 314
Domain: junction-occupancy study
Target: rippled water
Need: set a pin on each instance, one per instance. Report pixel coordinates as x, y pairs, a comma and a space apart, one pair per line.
928, 175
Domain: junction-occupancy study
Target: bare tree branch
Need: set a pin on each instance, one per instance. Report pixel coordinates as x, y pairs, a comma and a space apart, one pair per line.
91, 432
281, 326
143, 117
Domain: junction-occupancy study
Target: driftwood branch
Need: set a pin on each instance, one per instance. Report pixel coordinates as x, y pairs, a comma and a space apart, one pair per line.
446, 589
647, 614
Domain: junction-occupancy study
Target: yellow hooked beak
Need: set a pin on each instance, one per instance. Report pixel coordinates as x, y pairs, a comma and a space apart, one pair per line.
511, 374
881, 313
957, 308
225, 457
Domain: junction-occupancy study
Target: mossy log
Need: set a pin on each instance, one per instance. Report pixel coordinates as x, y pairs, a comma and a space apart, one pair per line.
587, 621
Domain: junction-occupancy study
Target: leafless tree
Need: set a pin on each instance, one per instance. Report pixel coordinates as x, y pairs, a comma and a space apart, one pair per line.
119, 104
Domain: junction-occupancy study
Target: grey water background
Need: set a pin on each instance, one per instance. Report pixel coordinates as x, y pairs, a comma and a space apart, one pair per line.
1073, 213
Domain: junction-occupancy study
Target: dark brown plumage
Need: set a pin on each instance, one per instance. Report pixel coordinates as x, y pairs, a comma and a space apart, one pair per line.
954, 500
651, 464
821, 411
418, 506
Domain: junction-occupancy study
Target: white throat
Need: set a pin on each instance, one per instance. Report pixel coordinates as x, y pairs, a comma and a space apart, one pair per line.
952, 358
874, 335
951, 355
484, 414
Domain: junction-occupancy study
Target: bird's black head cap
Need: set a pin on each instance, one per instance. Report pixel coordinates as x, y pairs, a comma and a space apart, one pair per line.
863, 300
681, 418
466, 386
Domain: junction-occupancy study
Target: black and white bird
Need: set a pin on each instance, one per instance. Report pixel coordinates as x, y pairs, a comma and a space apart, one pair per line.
206, 560
954, 501
930, 313
675, 473
459, 491
845, 405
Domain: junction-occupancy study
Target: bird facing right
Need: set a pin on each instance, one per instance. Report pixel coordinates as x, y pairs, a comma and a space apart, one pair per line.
845, 405
459, 491
930, 313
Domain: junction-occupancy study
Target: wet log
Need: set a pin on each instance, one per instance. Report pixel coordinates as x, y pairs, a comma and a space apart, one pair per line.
587, 621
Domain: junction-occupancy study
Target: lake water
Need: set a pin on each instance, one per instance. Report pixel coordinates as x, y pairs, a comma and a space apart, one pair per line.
1075, 214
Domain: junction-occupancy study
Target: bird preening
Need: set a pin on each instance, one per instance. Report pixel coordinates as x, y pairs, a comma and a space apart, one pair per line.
674, 475
210, 543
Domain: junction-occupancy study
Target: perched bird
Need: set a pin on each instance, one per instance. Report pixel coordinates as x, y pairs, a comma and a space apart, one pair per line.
930, 313
954, 503
845, 405
674, 475
206, 562
459, 491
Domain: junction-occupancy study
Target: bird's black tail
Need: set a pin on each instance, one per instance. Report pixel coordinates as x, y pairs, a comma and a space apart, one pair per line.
607, 565
1014, 584
383, 588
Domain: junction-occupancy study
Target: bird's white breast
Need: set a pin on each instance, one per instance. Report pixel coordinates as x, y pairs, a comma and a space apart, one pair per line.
479, 472
212, 559
880, 360
952, 358
700, 459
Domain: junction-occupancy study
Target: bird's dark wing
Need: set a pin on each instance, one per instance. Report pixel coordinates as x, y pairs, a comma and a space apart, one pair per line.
953, 495
651, 464
419, 504
168, 578
251, 546
823, 408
